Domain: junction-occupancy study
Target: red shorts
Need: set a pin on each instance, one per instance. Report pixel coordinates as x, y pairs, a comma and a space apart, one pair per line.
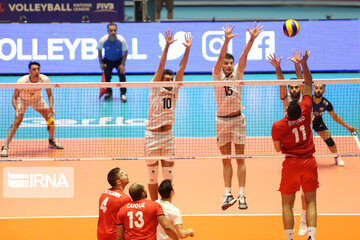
298, 172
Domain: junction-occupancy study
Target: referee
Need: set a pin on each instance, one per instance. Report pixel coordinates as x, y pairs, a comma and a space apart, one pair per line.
115, 56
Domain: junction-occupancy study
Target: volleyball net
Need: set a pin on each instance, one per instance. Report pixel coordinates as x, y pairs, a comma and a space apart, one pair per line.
90, 128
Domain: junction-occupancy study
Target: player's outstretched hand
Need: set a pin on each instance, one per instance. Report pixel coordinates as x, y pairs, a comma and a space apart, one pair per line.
296, 56
304, 56
256, 30
228, 31
273, 61
354, 131
169, 37
188, 40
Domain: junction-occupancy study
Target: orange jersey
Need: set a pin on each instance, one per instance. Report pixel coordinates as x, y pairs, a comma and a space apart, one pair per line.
296, 136
140, 219
110, 202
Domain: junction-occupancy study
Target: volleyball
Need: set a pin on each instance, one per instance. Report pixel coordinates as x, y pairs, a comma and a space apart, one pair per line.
291, 28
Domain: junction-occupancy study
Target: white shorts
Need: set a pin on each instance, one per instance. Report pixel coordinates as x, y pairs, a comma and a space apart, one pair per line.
38, 104
231, 129
159, 144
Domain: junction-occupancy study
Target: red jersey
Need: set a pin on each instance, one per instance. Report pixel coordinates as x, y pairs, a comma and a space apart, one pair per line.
140, 219
296, 136
110, 202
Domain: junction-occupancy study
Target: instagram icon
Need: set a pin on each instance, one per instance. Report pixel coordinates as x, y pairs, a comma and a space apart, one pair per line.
211, 44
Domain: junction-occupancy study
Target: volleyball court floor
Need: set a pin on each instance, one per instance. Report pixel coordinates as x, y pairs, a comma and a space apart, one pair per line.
198, 191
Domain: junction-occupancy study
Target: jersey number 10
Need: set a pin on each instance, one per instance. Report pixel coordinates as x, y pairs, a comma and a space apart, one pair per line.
167, 103
295, 131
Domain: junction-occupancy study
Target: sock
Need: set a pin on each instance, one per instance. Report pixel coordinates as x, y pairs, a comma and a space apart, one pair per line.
303, 215
311, 232
242, 191
227, 191
289, 234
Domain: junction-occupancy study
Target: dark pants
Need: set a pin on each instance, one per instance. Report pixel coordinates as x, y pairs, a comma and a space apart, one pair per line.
109, 66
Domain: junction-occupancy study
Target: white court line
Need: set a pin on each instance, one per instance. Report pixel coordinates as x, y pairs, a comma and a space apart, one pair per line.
194, 215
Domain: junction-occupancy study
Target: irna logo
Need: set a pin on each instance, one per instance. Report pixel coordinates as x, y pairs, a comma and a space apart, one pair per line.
40, 182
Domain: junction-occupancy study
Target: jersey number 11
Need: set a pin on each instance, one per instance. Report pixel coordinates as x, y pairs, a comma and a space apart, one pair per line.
295, 131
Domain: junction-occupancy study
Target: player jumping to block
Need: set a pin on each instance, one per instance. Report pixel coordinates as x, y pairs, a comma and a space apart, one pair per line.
230, 121
159, 137
23, 98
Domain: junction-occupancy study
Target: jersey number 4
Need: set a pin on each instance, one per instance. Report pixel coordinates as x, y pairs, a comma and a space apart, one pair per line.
103, 204
295, 131
138, 222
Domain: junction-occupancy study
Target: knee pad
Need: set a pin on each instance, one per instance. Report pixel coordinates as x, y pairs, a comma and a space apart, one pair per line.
330, 142
153, 174
50, 121
167, 173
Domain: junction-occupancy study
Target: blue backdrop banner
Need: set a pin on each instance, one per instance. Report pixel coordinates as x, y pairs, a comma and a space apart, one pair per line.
72, 47
37, 11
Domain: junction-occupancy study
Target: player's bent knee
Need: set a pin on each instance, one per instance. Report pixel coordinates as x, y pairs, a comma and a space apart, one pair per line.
153, 174
330, 142
50, 121
167, 172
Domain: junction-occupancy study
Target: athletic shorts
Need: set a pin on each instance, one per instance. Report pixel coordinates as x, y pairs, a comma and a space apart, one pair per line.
159, 144
319, 125
168, 3
37, 104
230, 129
298, 172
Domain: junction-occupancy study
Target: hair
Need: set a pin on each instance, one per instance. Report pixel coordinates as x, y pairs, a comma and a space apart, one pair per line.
293, 111
228, 55
168, 72
111, 24
33, 63
322, 84
165, 188
112, 176
135, 191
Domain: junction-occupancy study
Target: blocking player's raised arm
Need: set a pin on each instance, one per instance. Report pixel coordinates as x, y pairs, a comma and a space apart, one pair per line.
228, 36
279, 74
253, 34
160, 70
307, 74
184, 60
296, 55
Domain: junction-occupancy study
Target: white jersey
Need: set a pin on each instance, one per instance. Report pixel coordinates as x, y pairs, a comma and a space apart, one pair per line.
173, 216
162, 104
32, 94
228, 98
287, 100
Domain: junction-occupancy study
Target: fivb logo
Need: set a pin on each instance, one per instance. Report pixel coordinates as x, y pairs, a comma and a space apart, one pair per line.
40, 182
105, 7
263, 45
